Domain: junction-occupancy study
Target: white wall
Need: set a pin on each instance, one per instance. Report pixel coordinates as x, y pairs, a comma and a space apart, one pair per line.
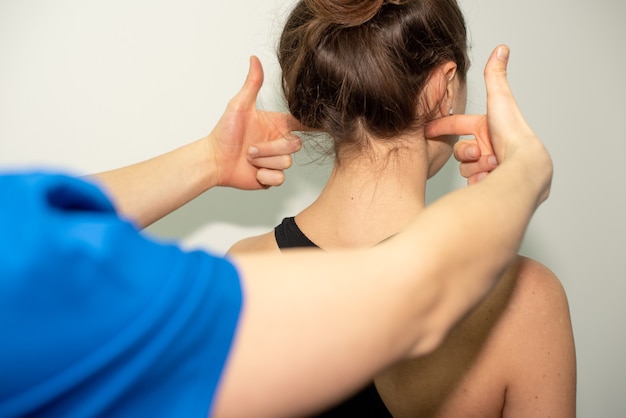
88, 86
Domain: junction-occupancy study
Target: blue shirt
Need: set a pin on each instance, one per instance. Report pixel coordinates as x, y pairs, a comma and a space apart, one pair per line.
97, 319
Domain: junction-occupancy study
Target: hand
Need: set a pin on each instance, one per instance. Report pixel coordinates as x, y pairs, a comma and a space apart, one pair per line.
503, 131
251, 147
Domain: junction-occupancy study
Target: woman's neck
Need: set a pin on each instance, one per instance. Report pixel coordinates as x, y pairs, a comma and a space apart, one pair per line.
368, 199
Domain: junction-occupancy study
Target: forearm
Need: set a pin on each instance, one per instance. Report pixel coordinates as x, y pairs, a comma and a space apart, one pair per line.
314, 326
149, 190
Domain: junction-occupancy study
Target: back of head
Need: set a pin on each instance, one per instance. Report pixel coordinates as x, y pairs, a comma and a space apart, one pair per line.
357, 68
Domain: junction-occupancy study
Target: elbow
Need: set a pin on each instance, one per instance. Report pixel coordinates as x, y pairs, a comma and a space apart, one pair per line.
436, 325
446, 310
428, 344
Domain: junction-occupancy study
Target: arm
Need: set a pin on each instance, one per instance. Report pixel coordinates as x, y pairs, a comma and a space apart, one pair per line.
248, 149
336, 308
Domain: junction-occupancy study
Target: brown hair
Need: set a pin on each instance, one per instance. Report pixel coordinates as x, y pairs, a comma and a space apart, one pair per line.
354, 65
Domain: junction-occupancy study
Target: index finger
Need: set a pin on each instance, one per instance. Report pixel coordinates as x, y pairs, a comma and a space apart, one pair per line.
286, 145
453, 125
475, 125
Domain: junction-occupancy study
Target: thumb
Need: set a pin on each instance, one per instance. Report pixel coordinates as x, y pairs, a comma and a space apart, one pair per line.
509, 130
503, 112
495, 73
246, 97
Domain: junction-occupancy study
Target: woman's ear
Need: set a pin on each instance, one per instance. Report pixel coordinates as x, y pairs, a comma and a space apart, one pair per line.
450, 86
441, 90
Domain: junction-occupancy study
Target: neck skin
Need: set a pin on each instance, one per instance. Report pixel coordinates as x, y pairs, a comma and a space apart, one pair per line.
370, 197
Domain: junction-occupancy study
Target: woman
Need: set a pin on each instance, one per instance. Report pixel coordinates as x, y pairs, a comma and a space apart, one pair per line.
372, 74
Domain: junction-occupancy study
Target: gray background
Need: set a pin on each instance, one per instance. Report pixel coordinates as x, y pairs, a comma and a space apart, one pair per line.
89, 86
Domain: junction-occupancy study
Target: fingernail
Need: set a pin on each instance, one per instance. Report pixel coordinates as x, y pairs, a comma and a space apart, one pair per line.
492, 160
503, 53
481, 176
472, 153
253, 151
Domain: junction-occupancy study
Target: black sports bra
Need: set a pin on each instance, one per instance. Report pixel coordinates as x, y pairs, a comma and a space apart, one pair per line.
367, 402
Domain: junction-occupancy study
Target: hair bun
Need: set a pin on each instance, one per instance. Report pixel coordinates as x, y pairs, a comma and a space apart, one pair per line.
348, 13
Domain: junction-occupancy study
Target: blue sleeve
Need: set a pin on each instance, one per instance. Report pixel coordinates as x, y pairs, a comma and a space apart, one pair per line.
97, 319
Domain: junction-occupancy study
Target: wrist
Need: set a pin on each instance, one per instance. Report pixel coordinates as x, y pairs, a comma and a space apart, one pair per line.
207, 164
538, 168
529, 173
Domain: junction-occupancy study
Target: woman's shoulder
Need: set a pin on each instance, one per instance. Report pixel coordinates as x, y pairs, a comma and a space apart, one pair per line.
537, 328
525, 316
530, 340
263, 242
534, 286
528, 302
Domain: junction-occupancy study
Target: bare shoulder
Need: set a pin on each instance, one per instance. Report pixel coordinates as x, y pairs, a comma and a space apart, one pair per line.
263, 242
536, 290
538, 329
536, 300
